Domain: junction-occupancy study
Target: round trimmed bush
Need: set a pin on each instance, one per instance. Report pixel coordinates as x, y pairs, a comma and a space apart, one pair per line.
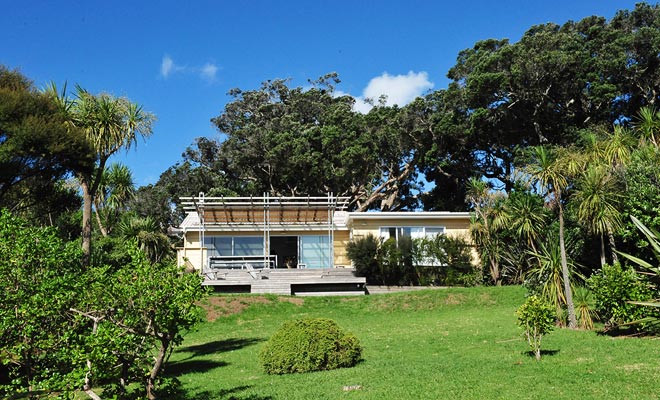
310, 344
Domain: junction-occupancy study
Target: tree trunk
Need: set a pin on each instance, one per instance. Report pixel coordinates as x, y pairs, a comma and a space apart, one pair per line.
602, 252
158, 364
86, 222
97, 213
615, 256
102, 228
88, 380
572, 320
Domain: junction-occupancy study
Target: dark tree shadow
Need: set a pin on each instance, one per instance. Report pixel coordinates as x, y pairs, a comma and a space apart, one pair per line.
219, 346
625, 331
178, 368
543, 353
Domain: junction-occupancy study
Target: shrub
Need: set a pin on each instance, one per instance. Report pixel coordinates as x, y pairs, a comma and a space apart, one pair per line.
584, 302
310, 344
537, 318
363, 253
445, 260
614, 287
395, 258
440, 260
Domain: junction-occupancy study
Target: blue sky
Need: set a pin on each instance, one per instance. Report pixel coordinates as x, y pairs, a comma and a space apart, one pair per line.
180, 58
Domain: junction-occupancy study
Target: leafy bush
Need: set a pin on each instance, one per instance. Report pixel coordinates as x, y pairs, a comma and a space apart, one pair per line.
445, 260
363, 252
39, 280
441, 260
395, 258
614, 287
537, 318
311, 344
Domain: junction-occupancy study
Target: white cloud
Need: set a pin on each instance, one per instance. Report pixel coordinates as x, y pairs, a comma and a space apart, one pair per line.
168, 67
398, 89
208, 71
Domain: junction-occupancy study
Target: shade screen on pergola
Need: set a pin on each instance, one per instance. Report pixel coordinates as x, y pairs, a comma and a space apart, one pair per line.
266, 210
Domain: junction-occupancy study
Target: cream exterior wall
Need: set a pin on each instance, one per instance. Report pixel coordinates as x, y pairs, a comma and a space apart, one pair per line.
192, 253
453, 227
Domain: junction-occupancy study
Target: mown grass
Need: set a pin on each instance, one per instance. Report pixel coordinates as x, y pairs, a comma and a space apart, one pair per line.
434, 344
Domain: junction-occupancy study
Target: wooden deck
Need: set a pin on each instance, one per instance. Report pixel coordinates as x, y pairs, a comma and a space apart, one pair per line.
300, 282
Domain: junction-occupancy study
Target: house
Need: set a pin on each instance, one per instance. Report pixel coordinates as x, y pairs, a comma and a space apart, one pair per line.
291, 245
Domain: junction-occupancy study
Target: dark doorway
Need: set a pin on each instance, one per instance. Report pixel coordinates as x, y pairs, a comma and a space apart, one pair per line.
286, 250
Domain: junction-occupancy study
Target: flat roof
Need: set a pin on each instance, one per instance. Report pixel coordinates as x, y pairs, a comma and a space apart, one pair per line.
394, 215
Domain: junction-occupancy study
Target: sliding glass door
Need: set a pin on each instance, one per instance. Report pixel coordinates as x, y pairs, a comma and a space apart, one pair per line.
315, 251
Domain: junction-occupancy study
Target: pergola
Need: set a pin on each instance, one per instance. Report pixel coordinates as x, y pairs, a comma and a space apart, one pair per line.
267, 213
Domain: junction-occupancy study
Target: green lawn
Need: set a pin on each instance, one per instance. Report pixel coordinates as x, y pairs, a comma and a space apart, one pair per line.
432, 344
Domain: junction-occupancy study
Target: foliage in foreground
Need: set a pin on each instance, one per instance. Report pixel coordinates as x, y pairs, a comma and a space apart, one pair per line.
311, 344
64, 328
38, 281
537, 318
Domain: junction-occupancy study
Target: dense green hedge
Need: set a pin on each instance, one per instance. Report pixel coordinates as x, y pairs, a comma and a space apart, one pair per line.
311, 344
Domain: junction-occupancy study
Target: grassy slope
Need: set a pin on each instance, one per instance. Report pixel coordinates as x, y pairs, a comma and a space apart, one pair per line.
436, 344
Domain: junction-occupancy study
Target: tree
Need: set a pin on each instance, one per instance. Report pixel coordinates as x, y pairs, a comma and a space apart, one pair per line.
487, 206
39, 278
37, 152
525, 215
109, 124
598, 201
114, 193
275, 132
551, 168
537, 319
144, 230
157, 303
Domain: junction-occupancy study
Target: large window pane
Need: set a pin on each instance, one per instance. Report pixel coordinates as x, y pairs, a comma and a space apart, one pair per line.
248, 246
315, 251
223, 245
209, 243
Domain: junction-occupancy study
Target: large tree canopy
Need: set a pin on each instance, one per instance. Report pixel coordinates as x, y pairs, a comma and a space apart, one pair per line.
295, 141
553, 83
36, 151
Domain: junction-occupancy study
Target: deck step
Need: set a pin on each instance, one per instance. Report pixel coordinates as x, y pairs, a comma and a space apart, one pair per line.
310, 282
335, 293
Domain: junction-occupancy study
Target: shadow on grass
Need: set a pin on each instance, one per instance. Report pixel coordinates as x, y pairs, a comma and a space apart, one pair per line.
543, 353
626, 331
226, 394
192, 363
219, 346
178, 368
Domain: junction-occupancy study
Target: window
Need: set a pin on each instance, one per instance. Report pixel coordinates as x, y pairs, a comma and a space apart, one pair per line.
314, 251
234, 245
248, 246
414, 232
